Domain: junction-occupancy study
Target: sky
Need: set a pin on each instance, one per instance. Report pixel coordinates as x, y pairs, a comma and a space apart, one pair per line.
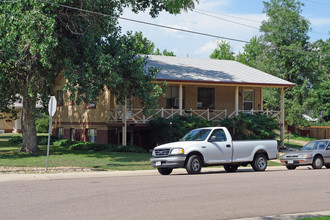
219, 18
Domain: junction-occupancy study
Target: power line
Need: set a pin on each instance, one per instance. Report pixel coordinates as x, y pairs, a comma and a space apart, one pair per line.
315, 2
173, 28
226, 20
245, 19
197, 11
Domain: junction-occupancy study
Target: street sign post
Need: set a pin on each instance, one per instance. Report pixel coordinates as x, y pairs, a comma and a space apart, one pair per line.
51, 110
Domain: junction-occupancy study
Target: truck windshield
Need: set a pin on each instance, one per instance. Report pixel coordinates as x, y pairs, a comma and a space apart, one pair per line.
197, 135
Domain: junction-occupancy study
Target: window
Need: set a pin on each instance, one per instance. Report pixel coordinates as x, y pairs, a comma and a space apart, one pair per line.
60, 133
72, 133
172, 97
90, 104
91, 135
220, 135
59, 97
248, 99
205, 98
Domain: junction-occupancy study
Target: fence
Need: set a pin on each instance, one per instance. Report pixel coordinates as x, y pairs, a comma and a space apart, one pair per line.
319, 132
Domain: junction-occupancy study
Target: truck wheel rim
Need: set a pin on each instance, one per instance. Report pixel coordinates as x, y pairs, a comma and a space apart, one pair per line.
195, 165
261, 162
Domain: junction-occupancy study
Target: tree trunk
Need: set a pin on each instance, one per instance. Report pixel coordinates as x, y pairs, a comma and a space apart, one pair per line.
29, 132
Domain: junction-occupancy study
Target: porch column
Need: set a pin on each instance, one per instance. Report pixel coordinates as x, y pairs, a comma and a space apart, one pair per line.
180, 99
124, 129
236, 101
282, 117
262, 99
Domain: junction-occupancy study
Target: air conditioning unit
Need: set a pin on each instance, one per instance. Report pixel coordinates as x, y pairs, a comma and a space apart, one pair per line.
176, 102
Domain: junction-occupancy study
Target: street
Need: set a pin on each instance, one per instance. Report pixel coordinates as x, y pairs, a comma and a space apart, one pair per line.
214, 194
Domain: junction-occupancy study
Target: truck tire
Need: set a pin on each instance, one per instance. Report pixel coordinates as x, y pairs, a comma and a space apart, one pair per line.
230, 168
194, 164
165, 171
317, 162
259, 162
291, 167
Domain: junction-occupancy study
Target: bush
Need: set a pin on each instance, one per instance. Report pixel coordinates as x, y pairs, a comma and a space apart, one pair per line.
87, 146
16, 140
162, 131
41, 140
248, 127
42, 124
65, 143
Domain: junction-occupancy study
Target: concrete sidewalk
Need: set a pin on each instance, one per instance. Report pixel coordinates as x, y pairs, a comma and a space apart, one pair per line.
100, 174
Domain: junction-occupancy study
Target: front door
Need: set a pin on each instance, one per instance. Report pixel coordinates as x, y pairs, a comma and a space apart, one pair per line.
219, 150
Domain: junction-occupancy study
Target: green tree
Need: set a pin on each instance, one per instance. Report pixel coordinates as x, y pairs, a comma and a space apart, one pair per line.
164, 53
39, 39
223, 52
252, 54
287, 56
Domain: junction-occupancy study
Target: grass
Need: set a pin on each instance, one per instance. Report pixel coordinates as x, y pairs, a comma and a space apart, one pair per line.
62, 157
300, 138
317, 218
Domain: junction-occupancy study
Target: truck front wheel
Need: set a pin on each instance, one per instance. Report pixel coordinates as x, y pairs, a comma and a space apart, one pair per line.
165, 171
194, 164
259, 162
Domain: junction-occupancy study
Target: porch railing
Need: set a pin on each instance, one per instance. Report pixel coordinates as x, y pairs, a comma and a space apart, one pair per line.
136, 115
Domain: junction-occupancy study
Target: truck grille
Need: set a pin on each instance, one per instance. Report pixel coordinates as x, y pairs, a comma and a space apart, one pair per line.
162, 152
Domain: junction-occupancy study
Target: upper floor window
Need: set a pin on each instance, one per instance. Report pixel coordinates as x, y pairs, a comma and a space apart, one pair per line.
59, 97
90, 103
172, 97
205, 98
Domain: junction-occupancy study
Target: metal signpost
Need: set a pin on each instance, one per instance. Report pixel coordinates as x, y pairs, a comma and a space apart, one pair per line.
51, 110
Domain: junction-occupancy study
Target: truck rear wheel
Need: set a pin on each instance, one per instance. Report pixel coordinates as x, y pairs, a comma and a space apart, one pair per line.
165, 171
194, 164
259, 162
230, 168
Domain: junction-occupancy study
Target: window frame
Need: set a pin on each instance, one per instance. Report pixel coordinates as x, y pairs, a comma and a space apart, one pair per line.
199, 90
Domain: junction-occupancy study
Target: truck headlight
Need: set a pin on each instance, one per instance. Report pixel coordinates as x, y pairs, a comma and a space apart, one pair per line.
177, 151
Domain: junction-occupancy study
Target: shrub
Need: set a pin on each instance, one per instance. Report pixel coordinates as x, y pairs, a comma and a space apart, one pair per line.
248, 127
65, 143
41, 140
42, 124
162, 131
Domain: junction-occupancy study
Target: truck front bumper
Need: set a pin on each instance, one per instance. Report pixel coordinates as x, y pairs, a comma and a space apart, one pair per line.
168, 162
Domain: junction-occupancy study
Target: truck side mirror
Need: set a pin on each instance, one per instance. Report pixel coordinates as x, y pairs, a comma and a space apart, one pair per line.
212, 138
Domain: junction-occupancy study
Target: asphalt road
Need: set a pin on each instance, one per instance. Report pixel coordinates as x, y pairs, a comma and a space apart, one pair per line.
213, 194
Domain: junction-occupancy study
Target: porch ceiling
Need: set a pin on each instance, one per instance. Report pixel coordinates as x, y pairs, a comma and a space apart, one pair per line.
194, 70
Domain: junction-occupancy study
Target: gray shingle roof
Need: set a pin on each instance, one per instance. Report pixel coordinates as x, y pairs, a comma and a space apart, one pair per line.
211, 71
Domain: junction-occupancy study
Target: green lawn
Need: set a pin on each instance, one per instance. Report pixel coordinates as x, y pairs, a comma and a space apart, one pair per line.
62, 157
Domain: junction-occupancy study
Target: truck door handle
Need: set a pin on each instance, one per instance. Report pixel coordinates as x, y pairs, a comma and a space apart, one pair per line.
203, 146
228, 145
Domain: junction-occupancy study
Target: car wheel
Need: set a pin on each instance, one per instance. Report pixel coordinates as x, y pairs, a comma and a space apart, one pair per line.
327, 166
291, 167
230, 168
259, 162
194, 164
317, 162
165, 171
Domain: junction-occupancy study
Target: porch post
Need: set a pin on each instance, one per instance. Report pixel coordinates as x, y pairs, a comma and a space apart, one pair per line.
180, 99
124, 131
262, 99
236, 101
282, 117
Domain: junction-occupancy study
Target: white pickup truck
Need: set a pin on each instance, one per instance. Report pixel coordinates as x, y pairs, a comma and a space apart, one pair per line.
212, 146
